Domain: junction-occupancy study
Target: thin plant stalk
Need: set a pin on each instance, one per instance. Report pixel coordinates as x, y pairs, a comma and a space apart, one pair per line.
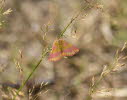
43, 55
64, 30
21, 87
47, 50
104, 73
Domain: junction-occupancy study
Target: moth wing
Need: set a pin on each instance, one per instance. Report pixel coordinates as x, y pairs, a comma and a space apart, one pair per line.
68, 49
55, 53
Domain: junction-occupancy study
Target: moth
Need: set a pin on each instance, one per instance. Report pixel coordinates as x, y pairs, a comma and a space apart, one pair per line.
61, 48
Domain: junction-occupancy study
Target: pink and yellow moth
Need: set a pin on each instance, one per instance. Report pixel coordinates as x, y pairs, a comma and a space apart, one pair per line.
60, 49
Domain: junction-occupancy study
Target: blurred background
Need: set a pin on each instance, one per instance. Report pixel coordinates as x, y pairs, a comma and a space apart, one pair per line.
98, 32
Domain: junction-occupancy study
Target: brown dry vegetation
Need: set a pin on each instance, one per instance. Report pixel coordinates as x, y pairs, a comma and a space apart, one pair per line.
98, 32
